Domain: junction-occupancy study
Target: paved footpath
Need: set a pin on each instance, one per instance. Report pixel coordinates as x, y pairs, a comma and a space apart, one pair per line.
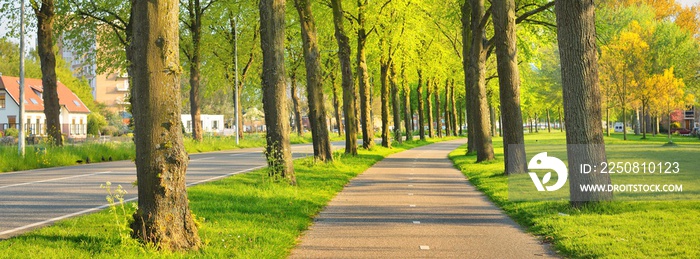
415, 204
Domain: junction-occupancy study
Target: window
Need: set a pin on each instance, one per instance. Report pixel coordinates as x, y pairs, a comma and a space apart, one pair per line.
76, 104
2, 100
215, 125
33, 101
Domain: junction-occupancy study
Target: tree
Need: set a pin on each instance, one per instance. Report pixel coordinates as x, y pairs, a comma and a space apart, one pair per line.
624, 68
385, 62
163, 217
396, 105
509, 86
314, 88
579, 73
278, 150
429, 107
45, 29
419, 92
347, 80
407, 113
477, 82
671, 95
363, 78
194, 12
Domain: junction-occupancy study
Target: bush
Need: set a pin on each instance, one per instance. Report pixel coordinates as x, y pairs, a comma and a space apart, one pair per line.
95, 122
675, 125
109, 130
12, 132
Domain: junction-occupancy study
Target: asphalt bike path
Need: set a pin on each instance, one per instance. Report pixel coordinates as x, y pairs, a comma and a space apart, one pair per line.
415, 204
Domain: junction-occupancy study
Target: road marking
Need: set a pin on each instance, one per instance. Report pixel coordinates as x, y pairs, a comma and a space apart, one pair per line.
410, 185
240, 154
416, 222
51, 180
410, 194
412, 205
424, 247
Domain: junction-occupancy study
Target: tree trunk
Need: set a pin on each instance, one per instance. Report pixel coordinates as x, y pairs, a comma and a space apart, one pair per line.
466, 61
163, 217
407, 112
296, 103
336, 105
448, 126
483, 145
363, 79
644, 122
395, 104
581, 93
537, 123
421, 120
429, 107
314, 88
52, 109
460, 122
195, 13
624, 123
385, 62
636, 122
561, 122
453, 110
437, 119
278, 150
492, 113
347, 79
607, 121
549, 126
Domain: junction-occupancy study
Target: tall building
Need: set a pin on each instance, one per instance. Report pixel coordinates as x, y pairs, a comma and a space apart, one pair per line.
110, 89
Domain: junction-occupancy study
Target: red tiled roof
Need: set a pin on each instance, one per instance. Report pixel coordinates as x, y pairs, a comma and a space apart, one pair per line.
66, 97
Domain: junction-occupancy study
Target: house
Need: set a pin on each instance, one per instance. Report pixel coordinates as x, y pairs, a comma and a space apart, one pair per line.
73, 117
210, 123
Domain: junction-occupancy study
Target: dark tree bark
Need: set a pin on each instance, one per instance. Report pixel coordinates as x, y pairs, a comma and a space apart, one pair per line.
407, 112
581, 92
509, 86
314, 89
421, 121
296, 104
429, 107
395, 103
52, 109
195, 11
384, 64
336, 105
438, 120
163, 217
549, 128
453, 108
482, 135
448, 119
278, 150
466, 61
347, 79
363, 79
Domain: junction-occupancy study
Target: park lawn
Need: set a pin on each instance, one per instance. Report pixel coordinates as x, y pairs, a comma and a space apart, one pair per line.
41, 156
618, 229
243, 216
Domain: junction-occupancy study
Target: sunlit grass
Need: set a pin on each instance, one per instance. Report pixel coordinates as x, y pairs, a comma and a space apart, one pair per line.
619, 229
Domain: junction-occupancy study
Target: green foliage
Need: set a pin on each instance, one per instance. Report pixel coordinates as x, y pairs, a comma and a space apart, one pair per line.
95, 122
13, 132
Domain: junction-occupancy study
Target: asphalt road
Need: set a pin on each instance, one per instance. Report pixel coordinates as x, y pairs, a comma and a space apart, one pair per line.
36, 198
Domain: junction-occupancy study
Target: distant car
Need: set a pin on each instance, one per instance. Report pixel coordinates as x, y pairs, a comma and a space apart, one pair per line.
681, 131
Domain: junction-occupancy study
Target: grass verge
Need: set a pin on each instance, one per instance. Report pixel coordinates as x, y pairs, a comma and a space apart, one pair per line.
243, 216
41, 156
618, 229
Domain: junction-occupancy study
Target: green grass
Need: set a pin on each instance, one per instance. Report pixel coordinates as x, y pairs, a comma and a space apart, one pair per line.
618, 229
243, 216
42, 156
